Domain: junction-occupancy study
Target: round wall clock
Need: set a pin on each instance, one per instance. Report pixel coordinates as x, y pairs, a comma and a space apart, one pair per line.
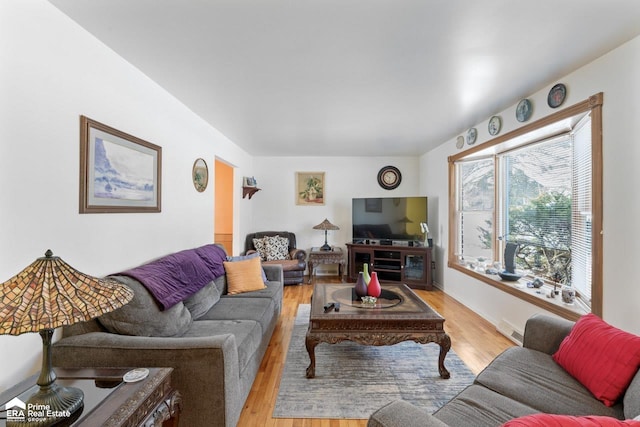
495, 123
472, 135
556, 95
524, 110
460, 142
389, 177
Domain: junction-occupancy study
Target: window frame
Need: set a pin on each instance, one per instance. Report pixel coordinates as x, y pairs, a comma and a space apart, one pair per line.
545, 127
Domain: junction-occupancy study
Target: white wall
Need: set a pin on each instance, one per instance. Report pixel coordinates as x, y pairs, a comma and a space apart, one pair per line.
52, 72
345, 178
615, 74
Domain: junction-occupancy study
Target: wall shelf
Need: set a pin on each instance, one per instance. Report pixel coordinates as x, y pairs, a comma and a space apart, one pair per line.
249, 191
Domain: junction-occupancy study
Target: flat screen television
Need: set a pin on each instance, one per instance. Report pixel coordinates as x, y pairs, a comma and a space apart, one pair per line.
388, 220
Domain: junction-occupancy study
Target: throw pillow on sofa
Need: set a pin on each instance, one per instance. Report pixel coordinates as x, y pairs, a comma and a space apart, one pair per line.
603, 358
243, 276
142, 315
202, 301
246, 257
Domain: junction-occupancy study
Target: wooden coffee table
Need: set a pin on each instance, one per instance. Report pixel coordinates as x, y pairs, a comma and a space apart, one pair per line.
398, 315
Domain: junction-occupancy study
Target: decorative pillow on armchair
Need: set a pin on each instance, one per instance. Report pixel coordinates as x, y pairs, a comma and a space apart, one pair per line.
272, 248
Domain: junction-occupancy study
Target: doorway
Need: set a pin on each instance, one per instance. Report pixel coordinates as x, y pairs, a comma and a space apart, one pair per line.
223, 212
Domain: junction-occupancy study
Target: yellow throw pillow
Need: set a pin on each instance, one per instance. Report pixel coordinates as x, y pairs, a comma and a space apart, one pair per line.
244, 276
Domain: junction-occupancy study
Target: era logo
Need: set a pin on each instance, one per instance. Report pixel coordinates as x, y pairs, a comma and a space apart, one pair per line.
15, 409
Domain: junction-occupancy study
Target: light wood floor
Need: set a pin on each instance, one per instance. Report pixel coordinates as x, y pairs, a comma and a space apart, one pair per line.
472, 338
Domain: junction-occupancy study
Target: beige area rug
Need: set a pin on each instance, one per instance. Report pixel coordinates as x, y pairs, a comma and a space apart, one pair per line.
354, 380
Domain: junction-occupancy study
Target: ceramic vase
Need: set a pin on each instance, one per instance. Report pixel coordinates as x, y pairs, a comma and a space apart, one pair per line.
361, 286
374, 289
365, 273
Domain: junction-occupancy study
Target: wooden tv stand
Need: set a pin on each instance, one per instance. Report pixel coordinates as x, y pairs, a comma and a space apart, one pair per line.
398, 264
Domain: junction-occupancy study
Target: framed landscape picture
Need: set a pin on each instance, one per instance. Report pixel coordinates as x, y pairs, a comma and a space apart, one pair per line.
118, 172
310, 188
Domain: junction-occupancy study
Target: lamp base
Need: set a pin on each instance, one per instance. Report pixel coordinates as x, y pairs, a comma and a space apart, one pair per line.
325, 247
63, 404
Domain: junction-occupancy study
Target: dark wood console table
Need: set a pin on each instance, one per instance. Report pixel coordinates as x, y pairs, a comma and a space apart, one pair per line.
399, 264
110, 402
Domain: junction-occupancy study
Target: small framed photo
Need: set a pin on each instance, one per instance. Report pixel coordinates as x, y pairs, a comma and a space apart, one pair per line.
119, 173
310, 189
249, 181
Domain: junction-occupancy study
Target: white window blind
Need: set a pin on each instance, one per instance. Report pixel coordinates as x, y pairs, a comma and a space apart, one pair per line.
475, 208
581, 212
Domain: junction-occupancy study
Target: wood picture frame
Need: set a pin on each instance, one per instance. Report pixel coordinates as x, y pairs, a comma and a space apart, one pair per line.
119, 173
310, 188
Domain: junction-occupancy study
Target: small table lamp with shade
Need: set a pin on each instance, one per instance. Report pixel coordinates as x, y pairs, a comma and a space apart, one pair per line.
326, 225
46, 295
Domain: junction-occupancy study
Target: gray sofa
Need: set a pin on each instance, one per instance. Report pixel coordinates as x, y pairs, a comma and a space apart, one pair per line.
519, 382
215, 357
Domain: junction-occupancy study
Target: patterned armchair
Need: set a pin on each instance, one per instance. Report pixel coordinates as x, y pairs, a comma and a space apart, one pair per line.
281, 251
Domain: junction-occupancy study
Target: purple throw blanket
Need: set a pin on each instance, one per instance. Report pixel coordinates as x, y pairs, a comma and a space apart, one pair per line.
175, 277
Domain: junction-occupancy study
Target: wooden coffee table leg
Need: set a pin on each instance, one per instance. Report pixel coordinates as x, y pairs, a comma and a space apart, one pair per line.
445, 346
311, 344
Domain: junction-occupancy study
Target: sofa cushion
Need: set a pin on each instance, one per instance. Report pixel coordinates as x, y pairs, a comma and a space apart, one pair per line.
631, 401
247, 333
142, 315
603, 358
202, 301
289, 265
551, 420
243, 276
246, 257
533, 378
260, 310
477, 406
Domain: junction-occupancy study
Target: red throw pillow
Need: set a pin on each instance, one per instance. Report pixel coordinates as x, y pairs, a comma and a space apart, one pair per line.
549, 420
603, 358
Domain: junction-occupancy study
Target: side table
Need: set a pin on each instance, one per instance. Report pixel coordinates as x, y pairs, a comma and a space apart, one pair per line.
110, 402
334, 256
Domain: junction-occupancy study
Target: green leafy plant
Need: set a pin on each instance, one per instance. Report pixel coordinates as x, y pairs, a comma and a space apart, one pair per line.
313, 189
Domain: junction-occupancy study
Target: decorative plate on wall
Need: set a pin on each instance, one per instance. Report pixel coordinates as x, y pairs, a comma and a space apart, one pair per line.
556, 95
389, 177
495, 124
472, 135
524, 110
200, 175
460, 142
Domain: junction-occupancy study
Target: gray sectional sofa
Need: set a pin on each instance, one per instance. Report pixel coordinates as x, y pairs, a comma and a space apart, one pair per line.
519, 382
214, 341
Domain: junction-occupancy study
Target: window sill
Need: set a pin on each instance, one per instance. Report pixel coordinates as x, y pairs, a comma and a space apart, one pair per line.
533, 296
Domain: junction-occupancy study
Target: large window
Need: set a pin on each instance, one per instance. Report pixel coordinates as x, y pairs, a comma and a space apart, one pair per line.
538, 187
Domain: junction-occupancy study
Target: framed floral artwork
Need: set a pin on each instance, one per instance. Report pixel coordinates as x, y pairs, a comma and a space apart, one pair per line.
310, 189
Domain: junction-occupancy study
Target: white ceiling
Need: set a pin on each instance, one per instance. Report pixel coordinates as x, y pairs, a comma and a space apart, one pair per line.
353, 77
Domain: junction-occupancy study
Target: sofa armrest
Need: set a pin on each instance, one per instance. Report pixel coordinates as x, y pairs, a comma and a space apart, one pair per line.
545, 333
299, 254
273, 272
403, 414
206, 368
